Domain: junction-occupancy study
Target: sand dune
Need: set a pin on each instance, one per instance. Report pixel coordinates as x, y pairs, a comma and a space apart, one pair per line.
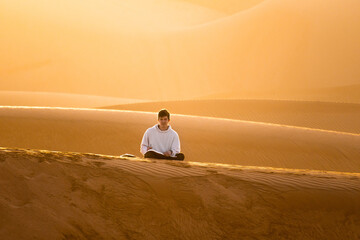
52, 99
202, 139
320, 115
342, 94
264, 94
229, 6
66, 195
168, 50
282, 46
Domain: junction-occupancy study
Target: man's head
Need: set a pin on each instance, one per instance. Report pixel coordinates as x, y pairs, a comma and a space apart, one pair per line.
163, 117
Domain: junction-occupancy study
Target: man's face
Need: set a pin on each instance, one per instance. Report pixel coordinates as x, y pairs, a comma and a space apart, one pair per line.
164, 121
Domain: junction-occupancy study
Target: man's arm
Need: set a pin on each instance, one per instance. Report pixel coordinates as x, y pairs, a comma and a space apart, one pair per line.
144, 146
175, 146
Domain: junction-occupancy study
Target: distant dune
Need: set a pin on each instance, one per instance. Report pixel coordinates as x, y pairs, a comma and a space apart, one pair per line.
341, 117
228, 6
53, 99
66, 195
202, 139
342, 94
168, 50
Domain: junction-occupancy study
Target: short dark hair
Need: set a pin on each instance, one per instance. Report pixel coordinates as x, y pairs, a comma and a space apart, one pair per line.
163, 113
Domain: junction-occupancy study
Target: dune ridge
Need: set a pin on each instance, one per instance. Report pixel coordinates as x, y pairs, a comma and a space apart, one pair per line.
229, 7
91, 196
55, 99
339, 94
239, 142
341, 117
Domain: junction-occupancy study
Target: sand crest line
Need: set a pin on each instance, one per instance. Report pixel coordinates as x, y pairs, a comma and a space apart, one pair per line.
189, 116
291, 179
186, 164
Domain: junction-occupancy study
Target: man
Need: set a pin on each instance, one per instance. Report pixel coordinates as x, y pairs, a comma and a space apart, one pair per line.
161, 141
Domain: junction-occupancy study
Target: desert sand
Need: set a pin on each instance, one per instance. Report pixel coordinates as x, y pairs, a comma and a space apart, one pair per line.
65, 195
341, 94
203, 139
341, 117
52, 99
264, 94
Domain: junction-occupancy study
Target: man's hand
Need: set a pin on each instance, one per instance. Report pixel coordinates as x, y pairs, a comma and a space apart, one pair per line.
168, 153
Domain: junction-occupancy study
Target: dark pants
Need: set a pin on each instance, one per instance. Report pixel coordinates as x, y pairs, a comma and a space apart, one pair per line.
152, 154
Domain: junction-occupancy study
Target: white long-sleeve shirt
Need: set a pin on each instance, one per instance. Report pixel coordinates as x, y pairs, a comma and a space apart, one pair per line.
161, 141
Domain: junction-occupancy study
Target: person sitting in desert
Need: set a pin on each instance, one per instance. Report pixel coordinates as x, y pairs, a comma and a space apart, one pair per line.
161, 141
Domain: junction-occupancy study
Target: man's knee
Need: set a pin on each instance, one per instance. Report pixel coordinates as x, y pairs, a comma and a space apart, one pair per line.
149, 154
152, 154
180, 156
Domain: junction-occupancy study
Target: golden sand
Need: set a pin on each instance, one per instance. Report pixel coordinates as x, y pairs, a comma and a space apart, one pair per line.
203, 139
264, 95
67, 195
